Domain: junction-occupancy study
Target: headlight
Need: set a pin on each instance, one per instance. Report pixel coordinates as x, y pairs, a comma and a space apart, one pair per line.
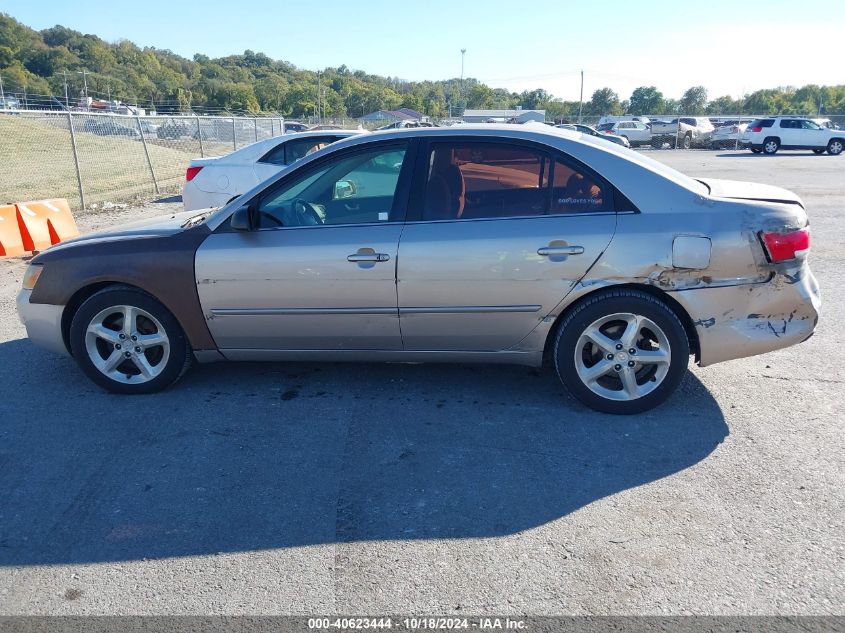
30, 277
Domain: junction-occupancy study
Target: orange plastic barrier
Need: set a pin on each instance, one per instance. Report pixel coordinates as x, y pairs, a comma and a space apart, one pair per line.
11, 244
43, 223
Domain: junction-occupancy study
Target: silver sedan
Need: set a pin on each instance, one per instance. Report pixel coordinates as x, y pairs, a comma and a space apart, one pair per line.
496, 244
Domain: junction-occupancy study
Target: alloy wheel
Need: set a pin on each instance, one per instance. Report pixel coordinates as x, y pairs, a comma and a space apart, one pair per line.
127, 344
622, 356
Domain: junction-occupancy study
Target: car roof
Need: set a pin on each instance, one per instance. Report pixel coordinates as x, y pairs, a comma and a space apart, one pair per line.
624, 167
259, 148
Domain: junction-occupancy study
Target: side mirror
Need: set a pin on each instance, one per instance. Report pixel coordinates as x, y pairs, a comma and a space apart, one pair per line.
243, 219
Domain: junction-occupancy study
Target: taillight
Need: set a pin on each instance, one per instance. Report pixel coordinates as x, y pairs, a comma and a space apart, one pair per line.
191, 172
782, 247
757, 129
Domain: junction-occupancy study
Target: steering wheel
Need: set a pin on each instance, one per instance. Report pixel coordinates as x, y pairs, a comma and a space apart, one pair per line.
304, 213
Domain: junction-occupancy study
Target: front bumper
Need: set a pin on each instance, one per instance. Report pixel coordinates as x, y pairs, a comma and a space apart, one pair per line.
43, 323
740, 321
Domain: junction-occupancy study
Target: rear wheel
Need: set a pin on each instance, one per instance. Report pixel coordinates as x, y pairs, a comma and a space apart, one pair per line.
687, 142
621, 351
771, 146
835, 146
128, 342
656, 143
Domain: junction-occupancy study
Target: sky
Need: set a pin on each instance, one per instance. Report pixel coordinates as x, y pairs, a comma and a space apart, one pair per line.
730, 47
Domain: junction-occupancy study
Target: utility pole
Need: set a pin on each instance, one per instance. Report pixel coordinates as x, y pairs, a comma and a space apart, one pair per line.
581, 99
2, 96
319, 103
463, 97
85, 74
67, 103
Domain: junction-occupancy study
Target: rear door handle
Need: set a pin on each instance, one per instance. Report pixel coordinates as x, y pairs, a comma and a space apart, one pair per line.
552, 251
368, 257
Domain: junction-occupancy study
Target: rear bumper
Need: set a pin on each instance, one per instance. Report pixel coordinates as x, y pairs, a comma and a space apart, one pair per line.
740, 321
43, 323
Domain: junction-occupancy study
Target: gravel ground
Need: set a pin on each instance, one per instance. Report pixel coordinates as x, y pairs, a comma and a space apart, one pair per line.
410, 489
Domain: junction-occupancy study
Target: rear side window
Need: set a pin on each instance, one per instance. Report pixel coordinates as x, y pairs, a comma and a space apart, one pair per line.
574, 190
476, 180
469, 180
761, 123
604, 127
296, 149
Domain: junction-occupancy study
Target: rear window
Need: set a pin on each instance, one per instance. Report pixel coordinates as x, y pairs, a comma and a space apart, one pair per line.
604, 127
761, 123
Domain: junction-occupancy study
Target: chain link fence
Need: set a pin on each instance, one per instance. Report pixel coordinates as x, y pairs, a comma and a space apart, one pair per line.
92, 159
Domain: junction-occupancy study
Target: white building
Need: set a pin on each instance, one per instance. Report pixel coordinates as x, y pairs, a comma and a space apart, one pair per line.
504, 116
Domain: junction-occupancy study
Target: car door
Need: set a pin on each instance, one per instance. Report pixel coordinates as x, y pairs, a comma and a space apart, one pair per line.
287, 152
789, 132
499, 234
313, 275
813, 135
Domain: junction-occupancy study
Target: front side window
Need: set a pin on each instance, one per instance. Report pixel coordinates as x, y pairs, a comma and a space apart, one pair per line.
348, 189
810, 125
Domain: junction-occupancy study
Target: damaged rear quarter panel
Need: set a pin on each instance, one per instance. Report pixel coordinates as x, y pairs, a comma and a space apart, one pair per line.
740, 304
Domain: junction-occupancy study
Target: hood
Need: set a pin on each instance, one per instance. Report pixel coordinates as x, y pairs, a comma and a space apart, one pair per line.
159, 226
739, 190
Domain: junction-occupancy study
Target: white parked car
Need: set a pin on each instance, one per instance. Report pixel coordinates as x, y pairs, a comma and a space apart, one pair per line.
636, 132
727, 136
624, 117
212, 182
791, 132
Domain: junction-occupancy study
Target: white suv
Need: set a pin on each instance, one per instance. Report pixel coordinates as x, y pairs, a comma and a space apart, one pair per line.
635, 132
791, 132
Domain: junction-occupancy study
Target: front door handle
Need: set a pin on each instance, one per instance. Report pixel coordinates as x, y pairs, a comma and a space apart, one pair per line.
557, 251
368, 257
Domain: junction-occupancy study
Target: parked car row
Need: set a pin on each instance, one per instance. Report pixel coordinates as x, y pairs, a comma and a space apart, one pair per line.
767, 135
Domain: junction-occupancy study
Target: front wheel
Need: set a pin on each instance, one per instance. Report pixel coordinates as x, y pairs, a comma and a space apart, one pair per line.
834, 148
127, 342
621, 351
687, 142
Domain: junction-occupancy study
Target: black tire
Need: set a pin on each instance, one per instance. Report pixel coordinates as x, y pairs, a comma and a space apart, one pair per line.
687, 142
657, 143
179, 358
818, 151
606, 303
835, 146
771, 145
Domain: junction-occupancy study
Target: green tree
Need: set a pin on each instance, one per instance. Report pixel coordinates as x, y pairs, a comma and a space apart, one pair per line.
646, 100
603, 102
694, 100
